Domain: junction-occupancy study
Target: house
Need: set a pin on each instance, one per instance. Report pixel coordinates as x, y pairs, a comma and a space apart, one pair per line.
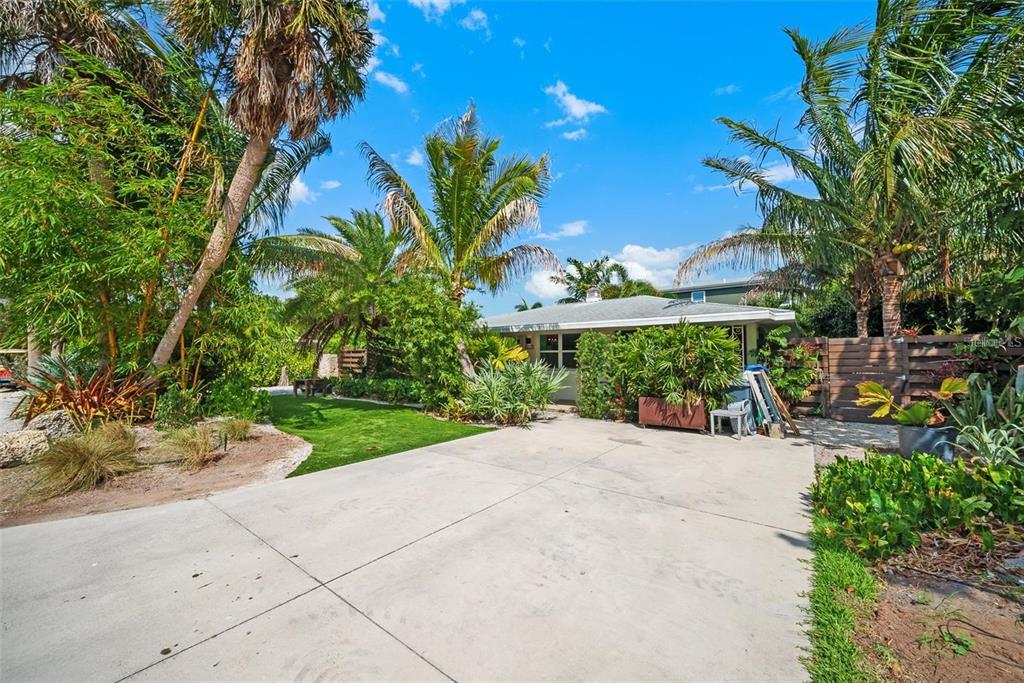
723, 292
550, 333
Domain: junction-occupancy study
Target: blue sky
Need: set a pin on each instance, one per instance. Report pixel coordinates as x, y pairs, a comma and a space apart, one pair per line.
621, 95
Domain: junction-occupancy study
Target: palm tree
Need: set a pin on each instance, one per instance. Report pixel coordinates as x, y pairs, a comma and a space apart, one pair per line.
295, 64
337, 277
881, 158
629, 288
479, 203
524, 305
578, 277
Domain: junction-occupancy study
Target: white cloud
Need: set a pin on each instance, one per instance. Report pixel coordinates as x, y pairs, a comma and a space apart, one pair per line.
330, 184
415, 158
299, 192
371, 65
476, 20
433, 10
418, 69
375, 13
519, 42
576, 109
789, 91
574, 135
570, 229
391, 81
730, 89
547, 44
657, 266
540, 285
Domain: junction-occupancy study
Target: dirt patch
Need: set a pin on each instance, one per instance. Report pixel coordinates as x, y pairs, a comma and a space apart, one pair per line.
269, 455
927, 629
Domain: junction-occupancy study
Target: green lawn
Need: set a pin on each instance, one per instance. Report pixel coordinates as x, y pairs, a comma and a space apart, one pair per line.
343, 432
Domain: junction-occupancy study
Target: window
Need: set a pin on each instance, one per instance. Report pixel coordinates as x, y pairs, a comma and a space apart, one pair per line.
559, 350
697, 296
549, 349
569, 350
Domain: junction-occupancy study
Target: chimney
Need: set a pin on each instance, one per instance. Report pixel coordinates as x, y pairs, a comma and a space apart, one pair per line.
593, 294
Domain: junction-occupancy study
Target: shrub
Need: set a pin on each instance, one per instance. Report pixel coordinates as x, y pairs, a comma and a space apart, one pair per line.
178, 407
878, 506
195, 446
85, 461
791, 367
514, 394
599, 395
88, 395
391, 390
238, 429
234, 397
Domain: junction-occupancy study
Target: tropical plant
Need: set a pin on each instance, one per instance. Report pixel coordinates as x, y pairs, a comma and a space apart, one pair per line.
629, 287
907, 155
915, 413
234, 397
791, 367
601, 393
491, 348
994, 446
684, 364
178, 406
880, 505
513, 394
337, 278
89, 396
999, 298
578, 277
87, 460
981, 407
524, 305
389, 389
480, 202
295, 64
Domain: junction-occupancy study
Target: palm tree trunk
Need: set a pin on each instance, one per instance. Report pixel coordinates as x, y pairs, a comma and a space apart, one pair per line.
863, 309
242, 184
891, 274
863, 284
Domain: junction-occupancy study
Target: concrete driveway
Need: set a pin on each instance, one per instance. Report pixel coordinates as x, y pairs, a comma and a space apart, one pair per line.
573, 550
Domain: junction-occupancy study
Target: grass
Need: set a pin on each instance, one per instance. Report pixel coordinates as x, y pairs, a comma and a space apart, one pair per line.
343, 432
841, 589
87, 460
195, 445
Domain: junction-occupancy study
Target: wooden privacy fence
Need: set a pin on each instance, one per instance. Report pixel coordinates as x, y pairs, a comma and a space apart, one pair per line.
349, 362
908, 366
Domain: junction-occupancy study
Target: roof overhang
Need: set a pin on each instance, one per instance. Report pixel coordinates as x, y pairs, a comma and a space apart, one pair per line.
731, 318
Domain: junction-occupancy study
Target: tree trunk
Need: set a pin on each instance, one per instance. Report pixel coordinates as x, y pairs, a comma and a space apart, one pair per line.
891, 274
863, 284
863, 309
33, 353
242, 184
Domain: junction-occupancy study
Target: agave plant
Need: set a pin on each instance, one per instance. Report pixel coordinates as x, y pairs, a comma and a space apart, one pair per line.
994, 446
514, 394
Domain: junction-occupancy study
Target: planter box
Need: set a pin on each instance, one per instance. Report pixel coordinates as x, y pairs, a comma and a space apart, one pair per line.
934, 440
658, 411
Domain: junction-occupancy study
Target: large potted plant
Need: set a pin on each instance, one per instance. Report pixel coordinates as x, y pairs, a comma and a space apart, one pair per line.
920, 423
678, 373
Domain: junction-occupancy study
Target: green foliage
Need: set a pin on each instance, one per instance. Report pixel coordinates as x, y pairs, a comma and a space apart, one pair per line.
491, 349
419, 332
878, 506
916, 414
791, 367
235, 397
685, 363
390, 389
512, 395
982, 408
178, 407
992, 445
343, 432
999, 298
87, 460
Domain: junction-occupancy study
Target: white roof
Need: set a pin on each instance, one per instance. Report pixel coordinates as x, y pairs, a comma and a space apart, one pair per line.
634, 311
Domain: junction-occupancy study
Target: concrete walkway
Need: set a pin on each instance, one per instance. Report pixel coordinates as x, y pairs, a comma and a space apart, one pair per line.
573, 550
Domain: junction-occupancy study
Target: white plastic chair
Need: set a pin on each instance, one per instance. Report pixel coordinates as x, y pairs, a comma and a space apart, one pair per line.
737, 411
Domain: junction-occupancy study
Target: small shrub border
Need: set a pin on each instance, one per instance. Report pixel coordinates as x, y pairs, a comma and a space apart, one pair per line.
389, 390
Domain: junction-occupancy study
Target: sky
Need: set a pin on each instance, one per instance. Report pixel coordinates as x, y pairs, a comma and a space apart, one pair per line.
622, 96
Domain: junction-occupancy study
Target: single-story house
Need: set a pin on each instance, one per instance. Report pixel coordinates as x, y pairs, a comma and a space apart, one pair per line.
550, 333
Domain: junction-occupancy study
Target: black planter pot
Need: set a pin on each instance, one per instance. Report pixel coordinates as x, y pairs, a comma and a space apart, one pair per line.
934, 440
